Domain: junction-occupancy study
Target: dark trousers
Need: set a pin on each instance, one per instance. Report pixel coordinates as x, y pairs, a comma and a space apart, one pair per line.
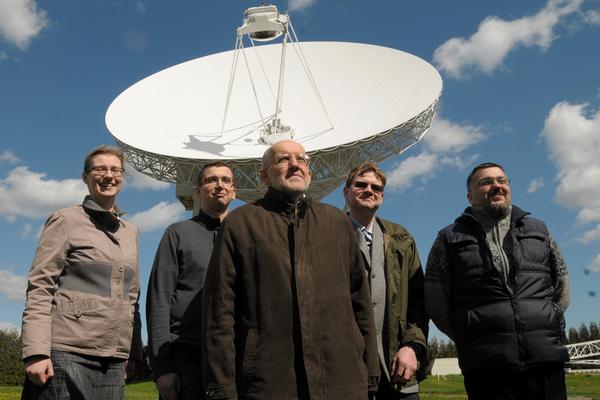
80, 377
189, 371
546, 382
385, 391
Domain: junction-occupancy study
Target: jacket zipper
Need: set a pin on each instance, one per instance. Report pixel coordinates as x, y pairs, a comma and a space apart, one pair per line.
513, 300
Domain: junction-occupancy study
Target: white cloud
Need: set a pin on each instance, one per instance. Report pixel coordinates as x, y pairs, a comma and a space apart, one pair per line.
158, 217
443, 143
3, 56
7, 326
594, 265
487, 48
21, 21
445, 136
140, 7
535, 185
590, 236
592, 17
26, 230
573, 138
141, 181
587, 215
12, 286
422, 166
135, 40
29, 194
8, 157
299, 5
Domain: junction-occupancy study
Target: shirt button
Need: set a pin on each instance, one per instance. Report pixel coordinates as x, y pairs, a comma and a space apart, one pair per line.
373, 276
120, 269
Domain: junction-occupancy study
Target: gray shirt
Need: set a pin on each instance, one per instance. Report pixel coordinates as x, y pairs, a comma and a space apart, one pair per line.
173, 303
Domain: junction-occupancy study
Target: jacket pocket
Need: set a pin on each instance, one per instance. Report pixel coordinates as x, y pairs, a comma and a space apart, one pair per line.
82, 322
249, 360
559, 322
360, 342
465, 251
534, 246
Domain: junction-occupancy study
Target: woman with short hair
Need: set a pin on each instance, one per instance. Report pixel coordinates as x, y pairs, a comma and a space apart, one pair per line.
81, 322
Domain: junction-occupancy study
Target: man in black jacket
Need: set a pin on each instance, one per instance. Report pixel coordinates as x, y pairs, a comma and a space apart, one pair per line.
497, 285
174, 289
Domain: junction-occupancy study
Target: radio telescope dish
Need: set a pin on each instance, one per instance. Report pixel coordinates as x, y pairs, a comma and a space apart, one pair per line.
369, 102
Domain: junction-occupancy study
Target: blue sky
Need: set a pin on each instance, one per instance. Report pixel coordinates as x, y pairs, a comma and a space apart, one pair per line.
521, 88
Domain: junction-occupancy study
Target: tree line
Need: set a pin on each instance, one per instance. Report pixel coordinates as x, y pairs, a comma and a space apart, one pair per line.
585, 333
11, 366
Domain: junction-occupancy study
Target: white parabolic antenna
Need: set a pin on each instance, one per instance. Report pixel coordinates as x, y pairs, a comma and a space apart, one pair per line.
357, 102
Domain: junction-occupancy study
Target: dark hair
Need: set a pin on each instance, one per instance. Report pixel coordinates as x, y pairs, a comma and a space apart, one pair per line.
362, 169
481, 166
102, 149
210, 165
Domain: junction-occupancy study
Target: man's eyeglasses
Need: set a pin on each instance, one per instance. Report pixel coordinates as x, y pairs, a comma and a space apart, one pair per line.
364, 185
214, 180
101, 171
283, 160
501, 180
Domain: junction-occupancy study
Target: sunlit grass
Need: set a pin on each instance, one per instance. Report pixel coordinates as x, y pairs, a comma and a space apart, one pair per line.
433, 388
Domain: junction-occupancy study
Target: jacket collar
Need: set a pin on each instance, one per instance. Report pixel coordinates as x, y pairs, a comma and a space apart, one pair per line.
210, 222
516, 214
276, 201
110, 219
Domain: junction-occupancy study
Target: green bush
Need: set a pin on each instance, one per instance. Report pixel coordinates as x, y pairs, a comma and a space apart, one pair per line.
11, 367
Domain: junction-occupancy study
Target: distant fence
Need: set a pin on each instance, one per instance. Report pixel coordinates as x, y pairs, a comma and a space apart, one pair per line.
585, 356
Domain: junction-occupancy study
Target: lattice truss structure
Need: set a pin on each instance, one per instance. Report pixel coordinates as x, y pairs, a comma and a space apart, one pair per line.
329, 166
581, 353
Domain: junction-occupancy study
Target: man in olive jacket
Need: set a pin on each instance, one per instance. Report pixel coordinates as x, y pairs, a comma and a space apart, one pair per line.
286, 306
396, 280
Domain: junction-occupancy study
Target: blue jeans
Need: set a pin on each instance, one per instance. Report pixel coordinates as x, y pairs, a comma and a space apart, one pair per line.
80, 377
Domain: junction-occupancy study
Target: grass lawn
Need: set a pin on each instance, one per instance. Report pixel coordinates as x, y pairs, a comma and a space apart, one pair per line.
450, 387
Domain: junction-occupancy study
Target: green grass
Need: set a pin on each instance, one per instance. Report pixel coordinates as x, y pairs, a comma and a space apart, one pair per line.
444, 388
451, 387
10, 392
141, 391
133, 391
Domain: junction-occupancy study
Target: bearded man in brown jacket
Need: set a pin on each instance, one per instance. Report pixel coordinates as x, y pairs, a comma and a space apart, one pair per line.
287, 311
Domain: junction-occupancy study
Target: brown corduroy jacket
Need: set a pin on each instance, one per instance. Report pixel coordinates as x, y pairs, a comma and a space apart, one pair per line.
286, 306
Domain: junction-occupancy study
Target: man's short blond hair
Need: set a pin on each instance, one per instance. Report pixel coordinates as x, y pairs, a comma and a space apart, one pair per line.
364, 168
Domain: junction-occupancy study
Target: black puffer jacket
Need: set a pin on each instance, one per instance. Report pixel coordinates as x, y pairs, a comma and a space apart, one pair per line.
512, 324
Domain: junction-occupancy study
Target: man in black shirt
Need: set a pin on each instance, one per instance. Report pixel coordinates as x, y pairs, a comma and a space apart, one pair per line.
174, 290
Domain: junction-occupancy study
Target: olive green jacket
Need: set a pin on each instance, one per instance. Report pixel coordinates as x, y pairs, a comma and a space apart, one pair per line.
406, 321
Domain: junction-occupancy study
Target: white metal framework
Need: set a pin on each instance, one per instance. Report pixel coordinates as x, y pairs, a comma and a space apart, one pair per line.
372, 102
581, 353
329, 166
265, 24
